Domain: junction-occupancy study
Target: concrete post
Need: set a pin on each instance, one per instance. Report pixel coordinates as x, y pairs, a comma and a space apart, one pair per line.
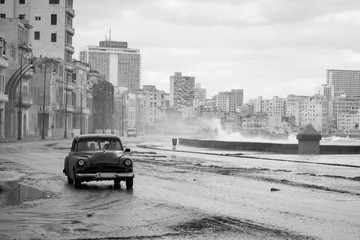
309, 141
174, 142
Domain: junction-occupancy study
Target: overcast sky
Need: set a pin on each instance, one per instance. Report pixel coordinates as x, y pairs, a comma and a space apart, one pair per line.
266, 47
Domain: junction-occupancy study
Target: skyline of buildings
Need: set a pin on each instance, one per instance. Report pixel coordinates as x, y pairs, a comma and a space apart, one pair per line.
59, 97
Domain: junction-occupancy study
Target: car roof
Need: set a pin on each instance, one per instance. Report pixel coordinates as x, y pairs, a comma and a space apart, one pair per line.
92, 136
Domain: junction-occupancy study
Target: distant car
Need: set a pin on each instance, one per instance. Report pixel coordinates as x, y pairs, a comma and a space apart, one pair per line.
97, 157
131, 132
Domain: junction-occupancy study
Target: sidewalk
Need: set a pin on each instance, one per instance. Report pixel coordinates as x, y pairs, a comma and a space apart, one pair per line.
29, 139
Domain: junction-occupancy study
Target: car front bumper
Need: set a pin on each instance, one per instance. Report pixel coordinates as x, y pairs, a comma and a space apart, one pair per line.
104, 176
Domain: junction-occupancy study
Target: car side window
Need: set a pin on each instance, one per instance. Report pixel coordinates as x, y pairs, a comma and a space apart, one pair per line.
115, 145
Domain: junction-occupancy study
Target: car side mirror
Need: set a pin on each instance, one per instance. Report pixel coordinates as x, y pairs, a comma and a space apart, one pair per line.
127, 150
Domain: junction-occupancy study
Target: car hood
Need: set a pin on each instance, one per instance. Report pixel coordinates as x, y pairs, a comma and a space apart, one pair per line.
100, 157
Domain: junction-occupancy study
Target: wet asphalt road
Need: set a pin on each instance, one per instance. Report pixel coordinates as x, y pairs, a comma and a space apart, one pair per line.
176, 196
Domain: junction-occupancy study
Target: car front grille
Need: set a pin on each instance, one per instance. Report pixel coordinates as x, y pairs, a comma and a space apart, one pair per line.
104, 168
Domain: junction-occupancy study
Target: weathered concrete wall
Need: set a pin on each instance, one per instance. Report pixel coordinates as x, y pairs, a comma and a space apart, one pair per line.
245, 146
339, 149
266, 147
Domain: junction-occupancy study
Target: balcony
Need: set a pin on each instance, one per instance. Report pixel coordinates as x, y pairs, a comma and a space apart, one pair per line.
70, 86
69, 29
70, 10
4, 62
4, 97
84, 111
70, 108
26, 23
69, 48
55, 106
26, 102
69, 66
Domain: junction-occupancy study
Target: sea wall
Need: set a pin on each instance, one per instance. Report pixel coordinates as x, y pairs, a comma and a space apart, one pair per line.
266, 147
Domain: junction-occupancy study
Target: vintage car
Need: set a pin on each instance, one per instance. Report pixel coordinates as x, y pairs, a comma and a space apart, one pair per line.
131, 132
97, 157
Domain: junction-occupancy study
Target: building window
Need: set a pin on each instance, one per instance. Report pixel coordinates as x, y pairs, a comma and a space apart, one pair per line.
53, 19
21, 16
37, 18
53, 1
2, 1
2, 15
21, 1
37, 35
53, 37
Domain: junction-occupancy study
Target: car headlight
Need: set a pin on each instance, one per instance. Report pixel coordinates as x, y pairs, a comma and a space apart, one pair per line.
81, 162
127, 162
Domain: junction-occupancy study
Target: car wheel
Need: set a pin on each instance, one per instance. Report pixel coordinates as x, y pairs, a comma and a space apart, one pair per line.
77, 181
129, 183
116, 184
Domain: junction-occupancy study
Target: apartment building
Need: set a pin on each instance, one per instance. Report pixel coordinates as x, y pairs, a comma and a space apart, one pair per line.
274, 106
348, 121
116, 63
15, 74
258, 104
4, 97
325, 90
81, 96
239, 97
344, 82
182, 90
225, 102
155, 106
199, 93
315, 111
50, 37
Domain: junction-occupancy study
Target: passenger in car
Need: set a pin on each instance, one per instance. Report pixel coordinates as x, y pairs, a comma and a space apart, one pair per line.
92, 145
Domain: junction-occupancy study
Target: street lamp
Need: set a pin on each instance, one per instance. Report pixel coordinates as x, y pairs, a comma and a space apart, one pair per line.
27, 54
48, 63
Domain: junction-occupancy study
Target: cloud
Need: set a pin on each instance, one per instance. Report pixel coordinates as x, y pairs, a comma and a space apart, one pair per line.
266, 47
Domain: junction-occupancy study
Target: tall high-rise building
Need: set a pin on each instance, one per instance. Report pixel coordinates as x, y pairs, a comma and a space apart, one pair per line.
182, 90
116, 62
345, 82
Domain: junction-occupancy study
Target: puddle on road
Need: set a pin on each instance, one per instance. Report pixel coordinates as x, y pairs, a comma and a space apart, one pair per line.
13, 193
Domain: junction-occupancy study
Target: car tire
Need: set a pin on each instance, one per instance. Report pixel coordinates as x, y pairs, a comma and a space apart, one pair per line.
77, 181
129, 183
117, 184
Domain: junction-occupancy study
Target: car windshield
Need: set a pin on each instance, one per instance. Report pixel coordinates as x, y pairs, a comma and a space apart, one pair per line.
97, 144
